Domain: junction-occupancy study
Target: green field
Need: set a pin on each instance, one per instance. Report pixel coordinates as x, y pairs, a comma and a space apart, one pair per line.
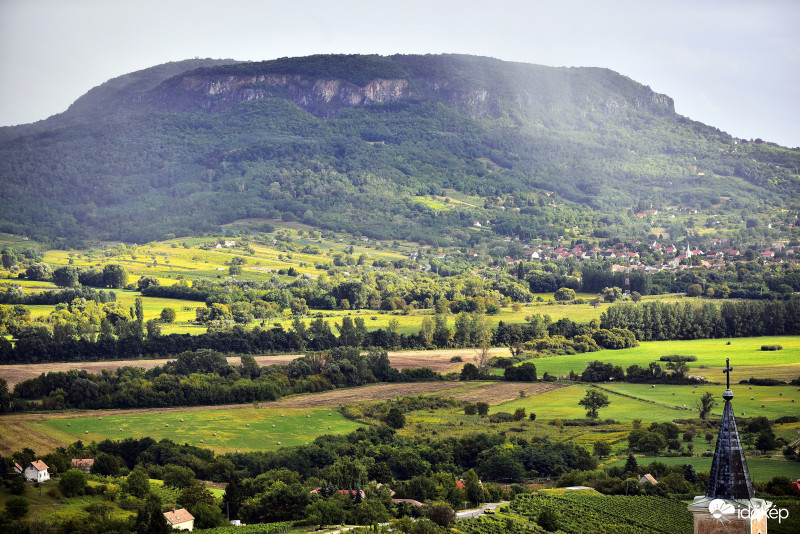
293, 426
746, 356
642, 401
761, 469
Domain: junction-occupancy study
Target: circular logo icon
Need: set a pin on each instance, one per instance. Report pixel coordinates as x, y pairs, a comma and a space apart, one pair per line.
718, 508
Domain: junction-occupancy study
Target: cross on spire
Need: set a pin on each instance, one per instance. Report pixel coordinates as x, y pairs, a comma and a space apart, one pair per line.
727, 370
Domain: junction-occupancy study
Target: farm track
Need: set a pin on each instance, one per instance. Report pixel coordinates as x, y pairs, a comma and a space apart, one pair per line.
438, 360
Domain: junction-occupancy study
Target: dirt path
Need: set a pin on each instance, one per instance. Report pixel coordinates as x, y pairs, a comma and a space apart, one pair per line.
438, 360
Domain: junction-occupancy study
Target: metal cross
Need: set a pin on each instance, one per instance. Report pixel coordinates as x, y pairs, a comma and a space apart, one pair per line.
727, 370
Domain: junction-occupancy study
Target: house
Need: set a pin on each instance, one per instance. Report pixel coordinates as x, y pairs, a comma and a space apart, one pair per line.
648, 478
180, 519
83, 464
36, 471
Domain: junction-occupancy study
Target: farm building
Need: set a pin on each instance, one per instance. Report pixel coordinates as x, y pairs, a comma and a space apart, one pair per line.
83, 464
37, 471
180, 519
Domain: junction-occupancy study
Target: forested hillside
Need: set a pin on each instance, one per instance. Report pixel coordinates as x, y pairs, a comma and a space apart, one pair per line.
353, 142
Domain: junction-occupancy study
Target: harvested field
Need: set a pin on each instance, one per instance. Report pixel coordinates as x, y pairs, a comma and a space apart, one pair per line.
499, 392
34, 430
438, 360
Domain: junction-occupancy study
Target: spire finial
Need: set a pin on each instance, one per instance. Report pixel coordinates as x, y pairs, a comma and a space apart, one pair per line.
728, 394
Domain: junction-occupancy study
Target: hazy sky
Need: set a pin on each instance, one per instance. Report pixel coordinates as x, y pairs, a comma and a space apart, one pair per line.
732, 64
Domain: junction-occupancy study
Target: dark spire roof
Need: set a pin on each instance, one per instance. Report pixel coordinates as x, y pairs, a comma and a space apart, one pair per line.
729, 478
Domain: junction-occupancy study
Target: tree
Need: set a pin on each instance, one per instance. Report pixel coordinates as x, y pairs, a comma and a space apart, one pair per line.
206, 516
150, 519
105, 464
235, 270
631, 466
325, 512
483, 408
593, 401
694, 290
195, 494
298, 306
548, 519
395, 418
178, 476
705, 404
168, 315
39, 271
115, 276
66, 276
564, 294
441, 513
72, 483
602, 449
138, 483
147, 281
472, 487
17, 507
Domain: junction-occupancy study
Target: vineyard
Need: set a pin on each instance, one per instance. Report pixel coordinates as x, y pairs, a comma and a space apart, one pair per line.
262, 528
579, 513
498, 525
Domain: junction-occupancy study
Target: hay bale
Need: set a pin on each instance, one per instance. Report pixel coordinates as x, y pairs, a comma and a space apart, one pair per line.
85, 431
214, 434
652, 387
166, 425
673, 394
283, 415
752, 398
248, 425
120, 430
278, 442
202, 441
181, 420
329, 428
329, 413
308, 416
763, 405
69, 424
100, 418
273, 426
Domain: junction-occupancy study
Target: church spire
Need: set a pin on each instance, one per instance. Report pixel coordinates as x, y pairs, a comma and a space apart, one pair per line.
729, 477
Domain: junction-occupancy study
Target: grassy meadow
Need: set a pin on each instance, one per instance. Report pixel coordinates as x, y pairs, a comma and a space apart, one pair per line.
747, 358
761, 469
268, 428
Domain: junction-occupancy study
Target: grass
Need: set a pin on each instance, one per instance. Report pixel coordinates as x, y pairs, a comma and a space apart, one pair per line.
745, 354
291, 427
761, 470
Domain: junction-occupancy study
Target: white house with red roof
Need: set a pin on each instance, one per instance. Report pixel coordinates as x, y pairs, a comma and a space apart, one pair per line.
36, 471
180, 519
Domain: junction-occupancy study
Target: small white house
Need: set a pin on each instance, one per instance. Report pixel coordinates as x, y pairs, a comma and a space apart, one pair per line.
180, 519
37, 471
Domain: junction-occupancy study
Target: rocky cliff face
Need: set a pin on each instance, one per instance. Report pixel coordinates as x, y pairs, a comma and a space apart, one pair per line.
482, 87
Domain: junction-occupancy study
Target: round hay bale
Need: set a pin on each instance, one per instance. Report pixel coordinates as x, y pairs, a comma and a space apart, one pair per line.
283, 415
100, 418
752, 398
763, 405
751, 387
308, 416
202, 441
248, 425
683, 406
166, 425
329, 428
792, 400
652, 387
742, 413
692, 392
780, 394
120, 430
181, 420
273, 426
329, 413
214, 434
85, 431
673, 394
69, 424
278, 442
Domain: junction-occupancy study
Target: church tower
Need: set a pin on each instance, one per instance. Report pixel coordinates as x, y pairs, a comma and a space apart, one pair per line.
729, 505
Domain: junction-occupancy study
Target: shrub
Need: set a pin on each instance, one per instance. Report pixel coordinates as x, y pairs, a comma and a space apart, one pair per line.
678, 358
771, 347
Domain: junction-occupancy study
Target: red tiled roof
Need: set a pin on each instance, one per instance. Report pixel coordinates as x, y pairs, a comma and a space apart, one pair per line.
39, 465
178, 516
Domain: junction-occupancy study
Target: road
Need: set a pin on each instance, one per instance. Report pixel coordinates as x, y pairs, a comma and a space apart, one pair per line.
467, 514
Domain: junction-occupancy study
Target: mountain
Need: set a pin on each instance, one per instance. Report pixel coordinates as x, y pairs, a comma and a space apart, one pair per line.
360, 143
